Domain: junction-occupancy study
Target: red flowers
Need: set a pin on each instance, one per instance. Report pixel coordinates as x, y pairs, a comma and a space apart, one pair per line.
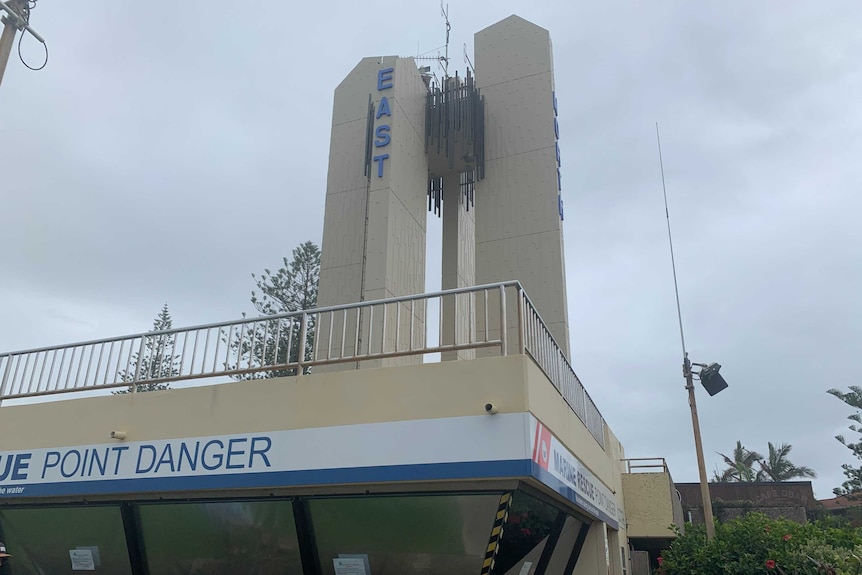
770, 564
660, 560
787, 537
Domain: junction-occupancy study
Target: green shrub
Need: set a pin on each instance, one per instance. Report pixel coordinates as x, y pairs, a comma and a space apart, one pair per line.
755, 544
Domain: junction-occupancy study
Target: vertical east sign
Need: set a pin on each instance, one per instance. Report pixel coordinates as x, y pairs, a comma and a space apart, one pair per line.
557, 146
383, 132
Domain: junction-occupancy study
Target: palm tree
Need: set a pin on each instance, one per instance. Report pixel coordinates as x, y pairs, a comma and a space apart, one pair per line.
777, 467
740, 467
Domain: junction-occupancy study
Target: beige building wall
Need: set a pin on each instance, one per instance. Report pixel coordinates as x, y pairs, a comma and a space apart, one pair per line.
317, 400
442, 390
519, 233
651, 504
595, 553
458, 269
439, 390
374, 227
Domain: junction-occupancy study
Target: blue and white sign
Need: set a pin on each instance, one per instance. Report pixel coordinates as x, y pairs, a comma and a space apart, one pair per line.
559, 469
474, 447
379, 452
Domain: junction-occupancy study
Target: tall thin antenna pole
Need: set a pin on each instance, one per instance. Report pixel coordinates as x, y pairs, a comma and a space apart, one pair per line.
687, 373
444, 11
670, 241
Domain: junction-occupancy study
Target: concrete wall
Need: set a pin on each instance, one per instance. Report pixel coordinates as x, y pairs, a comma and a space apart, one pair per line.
448, 389
440, 390
595, 556
367, 396
519, 234
374, 227
458, 267
650, 504
789, 499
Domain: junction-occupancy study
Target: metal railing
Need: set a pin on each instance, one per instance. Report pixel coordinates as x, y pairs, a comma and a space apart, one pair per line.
496, 317
646, 465
542, 347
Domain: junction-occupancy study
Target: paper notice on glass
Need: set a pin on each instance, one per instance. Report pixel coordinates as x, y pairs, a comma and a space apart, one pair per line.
363, 556
97, 558
525, 568
349, 566
82, 560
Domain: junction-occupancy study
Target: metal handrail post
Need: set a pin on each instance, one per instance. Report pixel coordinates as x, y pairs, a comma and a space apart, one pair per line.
6, 371
300, 352
138, 365
503, 322
521, 319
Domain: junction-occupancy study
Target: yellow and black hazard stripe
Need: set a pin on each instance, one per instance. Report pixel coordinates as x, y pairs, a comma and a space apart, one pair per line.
496, 533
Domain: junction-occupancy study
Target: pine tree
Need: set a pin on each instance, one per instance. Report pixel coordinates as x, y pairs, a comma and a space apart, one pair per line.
291, 288
158, 359
853, 485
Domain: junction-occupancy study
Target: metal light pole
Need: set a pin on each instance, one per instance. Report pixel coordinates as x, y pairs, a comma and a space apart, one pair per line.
14, 19
698, 447
687, 373
7, 40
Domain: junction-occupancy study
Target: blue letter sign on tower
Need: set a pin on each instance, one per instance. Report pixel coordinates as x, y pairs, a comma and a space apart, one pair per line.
557, 145
382, 133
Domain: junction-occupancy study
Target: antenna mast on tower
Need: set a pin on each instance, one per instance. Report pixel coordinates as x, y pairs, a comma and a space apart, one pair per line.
444, 60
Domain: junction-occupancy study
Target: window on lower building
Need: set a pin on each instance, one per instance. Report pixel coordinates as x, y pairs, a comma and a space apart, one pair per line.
420, 535
220, 538
525, 533
48, 540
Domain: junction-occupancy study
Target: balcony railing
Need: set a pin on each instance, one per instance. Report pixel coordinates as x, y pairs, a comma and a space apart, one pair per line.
646, 465
489, 319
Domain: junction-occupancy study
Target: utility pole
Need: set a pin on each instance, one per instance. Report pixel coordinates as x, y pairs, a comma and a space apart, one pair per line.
698, 447
687, 373
7, 40
16, 17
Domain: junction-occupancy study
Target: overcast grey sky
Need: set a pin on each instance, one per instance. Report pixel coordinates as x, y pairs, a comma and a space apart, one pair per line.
164, 157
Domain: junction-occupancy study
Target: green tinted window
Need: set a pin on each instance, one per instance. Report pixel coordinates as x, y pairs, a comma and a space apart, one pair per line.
424, 535
223, 538
40, 539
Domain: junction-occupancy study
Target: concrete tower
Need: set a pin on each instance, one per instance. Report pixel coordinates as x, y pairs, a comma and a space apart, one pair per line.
482, 151
519, 228
374, 225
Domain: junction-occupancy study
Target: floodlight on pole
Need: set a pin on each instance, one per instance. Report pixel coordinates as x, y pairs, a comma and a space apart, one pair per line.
710, 379
708, 375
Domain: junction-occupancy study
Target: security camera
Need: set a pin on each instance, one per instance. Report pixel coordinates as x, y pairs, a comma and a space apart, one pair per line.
490, 408
121, 435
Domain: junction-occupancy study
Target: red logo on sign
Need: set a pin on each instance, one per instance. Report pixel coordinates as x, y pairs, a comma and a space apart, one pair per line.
542, 446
